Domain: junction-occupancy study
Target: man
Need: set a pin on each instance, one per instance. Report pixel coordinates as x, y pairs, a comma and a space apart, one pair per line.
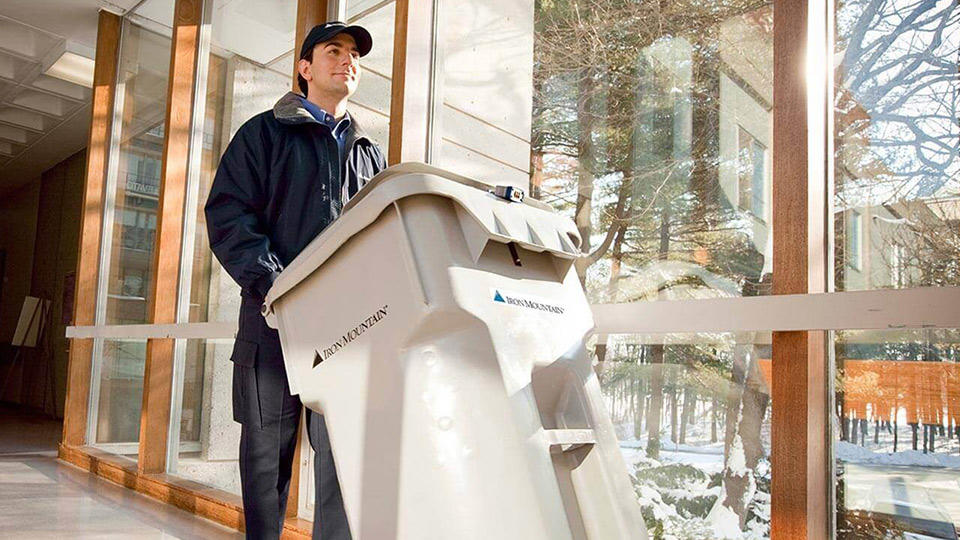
284, 177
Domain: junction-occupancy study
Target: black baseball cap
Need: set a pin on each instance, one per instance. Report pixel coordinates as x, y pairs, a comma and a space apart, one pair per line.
326, 32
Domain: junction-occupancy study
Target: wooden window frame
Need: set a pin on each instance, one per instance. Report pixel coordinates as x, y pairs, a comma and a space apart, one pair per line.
91, 222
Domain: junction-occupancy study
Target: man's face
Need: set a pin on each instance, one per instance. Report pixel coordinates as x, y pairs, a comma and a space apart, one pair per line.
335, 69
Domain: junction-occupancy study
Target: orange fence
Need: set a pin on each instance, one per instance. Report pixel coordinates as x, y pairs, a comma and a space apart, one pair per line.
929, 392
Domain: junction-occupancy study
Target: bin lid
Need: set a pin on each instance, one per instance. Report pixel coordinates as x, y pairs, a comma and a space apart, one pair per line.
530, 223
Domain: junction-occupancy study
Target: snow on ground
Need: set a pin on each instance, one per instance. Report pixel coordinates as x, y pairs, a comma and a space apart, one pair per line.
725, 523
707, 458
669, 500
852, 453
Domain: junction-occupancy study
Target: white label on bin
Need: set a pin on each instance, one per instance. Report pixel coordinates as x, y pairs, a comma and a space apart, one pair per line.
352, 334
526, 301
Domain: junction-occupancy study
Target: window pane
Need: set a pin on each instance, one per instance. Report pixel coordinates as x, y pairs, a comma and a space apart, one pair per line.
898, 433
250, 67
897, 160
371, 103
141, 95
131, 219
692, 413
209, 438
120, 395
652, 130
653, 138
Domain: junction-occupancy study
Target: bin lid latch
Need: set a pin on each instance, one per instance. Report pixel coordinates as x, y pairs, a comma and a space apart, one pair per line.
508, 193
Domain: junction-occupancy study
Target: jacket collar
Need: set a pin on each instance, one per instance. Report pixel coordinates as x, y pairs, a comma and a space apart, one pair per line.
290, 110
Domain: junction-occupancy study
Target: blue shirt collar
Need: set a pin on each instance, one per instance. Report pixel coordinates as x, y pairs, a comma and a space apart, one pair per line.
338, 129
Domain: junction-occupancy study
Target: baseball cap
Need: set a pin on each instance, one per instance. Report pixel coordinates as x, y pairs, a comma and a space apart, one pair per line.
326, 32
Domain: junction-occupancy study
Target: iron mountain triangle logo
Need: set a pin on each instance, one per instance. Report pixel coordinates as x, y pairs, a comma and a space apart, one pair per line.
526, 302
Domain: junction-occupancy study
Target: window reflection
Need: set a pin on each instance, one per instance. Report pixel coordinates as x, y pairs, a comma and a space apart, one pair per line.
141, 104
897, 156
655, 139
898, 433
692, 413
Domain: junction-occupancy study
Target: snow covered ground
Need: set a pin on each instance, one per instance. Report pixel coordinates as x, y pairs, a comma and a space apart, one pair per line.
679, 492
852, 453
708, 458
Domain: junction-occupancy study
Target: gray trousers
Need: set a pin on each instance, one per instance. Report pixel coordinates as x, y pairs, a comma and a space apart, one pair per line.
269, 418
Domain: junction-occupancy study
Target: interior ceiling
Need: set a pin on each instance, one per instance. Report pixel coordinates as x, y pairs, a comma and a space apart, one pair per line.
43, 120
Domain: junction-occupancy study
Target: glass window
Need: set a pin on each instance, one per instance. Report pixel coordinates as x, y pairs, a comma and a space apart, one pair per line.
141, 105
120, 393
249, 68
898, 433
652, 132
130, 224
897, 204
692, 413
371, 103
209, 439
897, 161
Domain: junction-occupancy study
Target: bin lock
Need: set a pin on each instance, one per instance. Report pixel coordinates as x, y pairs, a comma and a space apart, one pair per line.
508, 193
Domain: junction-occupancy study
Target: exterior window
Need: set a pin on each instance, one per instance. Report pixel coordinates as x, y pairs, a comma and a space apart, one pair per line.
654, 138
854, 233
751, 169
131, 232
897, 198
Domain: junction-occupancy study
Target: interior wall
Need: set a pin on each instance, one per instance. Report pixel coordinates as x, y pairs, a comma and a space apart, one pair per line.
47, 240
54, 276
18, 225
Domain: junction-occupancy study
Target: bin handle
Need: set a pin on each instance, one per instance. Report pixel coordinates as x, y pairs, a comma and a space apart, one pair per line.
569, 439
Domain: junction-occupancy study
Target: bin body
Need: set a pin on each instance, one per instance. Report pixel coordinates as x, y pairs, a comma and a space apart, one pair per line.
450, 365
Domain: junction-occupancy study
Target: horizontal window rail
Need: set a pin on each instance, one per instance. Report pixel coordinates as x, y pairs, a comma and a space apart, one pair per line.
204, 330
883, 309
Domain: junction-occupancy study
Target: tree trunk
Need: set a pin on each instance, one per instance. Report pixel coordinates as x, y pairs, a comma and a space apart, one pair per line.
612, 288
689, 403
705, 98
895, 436
714, 419
656, 358
583, 216
656, 401
755, 400
638, 414
742, 444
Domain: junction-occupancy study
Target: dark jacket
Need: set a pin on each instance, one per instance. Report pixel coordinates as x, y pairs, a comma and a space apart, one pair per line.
278, 185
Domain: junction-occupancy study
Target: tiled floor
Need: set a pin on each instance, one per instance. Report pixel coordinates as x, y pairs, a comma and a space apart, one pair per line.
41, 497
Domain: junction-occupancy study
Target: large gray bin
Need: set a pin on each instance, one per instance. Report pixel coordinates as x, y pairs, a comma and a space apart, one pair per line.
441, 331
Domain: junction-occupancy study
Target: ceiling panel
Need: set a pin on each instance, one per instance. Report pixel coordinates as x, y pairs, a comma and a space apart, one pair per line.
16, 135
25, 119
42, 102
62, 87
6, 148
21, 40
